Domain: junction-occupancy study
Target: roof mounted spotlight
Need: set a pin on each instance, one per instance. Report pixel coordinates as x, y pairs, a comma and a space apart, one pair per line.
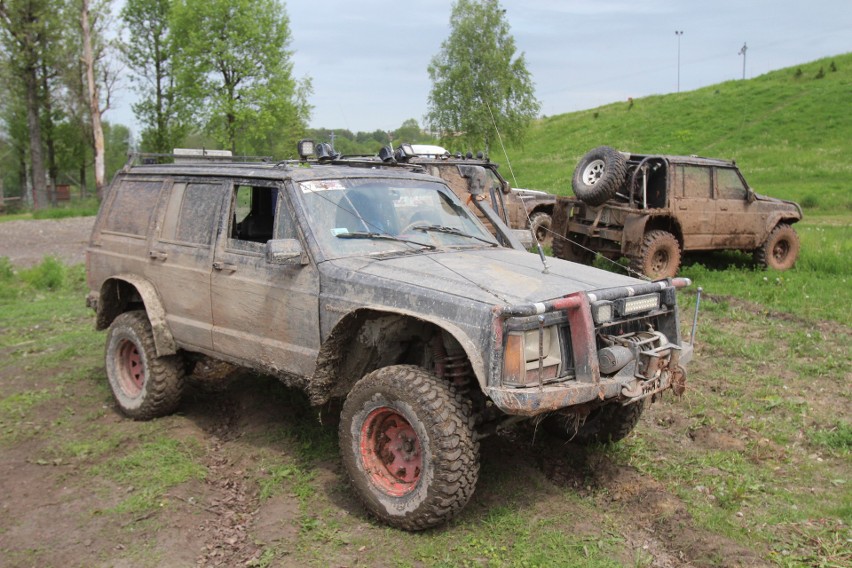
480, 155
404, 152
305, 148
469, 155
386, 154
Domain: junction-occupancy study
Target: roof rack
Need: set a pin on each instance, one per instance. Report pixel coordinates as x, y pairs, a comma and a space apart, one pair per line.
193, 156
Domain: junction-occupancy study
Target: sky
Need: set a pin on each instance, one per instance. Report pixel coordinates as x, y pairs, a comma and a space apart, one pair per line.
368, 59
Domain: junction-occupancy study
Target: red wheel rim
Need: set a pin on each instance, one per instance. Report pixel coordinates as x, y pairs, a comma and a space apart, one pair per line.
131, 371
390, 451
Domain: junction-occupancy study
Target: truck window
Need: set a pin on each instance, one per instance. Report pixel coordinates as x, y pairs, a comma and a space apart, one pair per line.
729, 184
132, 207
191, 213
253, 214
696, 182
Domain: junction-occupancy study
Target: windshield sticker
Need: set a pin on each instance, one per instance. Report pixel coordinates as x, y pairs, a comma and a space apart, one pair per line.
321, 185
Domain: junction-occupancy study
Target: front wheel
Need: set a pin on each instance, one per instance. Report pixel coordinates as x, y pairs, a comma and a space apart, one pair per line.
144, 385
407, 442
540, 225
780, 250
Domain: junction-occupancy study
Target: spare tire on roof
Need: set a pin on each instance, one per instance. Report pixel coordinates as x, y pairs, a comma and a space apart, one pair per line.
599, 175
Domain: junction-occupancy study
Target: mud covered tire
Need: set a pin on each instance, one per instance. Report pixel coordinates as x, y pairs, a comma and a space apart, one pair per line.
599, 175
780, 250
540, 224
407, 442
607, 424
659, 256
567, 250
144, 386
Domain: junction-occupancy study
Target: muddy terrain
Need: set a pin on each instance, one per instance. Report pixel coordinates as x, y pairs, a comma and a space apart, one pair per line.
258, 482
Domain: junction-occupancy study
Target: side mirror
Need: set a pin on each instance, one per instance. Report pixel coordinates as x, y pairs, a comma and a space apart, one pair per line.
479, 182
750, 196
285, 251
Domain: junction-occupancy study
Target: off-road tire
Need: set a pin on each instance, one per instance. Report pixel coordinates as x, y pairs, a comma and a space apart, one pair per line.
780, 250
144, 386
659, 255
599, 175
540, 226
427, 415
567, 250
607, 424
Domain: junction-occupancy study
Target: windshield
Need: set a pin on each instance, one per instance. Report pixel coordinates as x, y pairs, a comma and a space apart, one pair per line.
373, 215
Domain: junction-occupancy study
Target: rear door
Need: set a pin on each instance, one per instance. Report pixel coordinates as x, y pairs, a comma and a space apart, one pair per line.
180, 256
695, 208
264, 313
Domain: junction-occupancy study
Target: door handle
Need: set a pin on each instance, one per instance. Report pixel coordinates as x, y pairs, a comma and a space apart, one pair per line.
224, 266
158, 255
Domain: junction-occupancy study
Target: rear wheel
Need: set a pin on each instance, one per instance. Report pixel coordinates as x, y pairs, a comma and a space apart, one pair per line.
540, 224
568, 249
407, 442
780, 250
144, 386
609, 423
599, 175
659, 256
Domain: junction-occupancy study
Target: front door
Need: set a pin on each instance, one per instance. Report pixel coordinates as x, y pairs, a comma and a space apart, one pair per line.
737, 220
262, 312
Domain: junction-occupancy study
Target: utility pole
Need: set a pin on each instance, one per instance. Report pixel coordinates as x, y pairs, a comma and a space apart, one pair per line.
332, 137
678, 34
743, 53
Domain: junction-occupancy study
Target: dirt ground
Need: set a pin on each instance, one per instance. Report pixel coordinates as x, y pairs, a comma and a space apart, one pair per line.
56, 512
27, 242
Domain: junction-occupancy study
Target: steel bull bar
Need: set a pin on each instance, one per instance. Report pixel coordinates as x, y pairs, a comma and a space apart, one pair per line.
662, 366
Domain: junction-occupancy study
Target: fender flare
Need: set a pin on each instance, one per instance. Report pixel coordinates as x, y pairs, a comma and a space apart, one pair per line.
164, 341
325, 378
632, 234
772, 222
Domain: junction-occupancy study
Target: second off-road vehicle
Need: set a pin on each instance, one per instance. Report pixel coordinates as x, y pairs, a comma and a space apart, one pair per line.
653, 208
374, 289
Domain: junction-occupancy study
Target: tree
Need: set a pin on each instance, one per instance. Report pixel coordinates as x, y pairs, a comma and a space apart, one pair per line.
233, 64
94, 97
22, 24
480, 86
148, 52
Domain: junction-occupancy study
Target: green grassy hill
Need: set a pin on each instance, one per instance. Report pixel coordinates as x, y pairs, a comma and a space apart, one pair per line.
790, 131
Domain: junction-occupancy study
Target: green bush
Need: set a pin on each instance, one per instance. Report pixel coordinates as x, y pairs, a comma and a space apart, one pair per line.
49, 275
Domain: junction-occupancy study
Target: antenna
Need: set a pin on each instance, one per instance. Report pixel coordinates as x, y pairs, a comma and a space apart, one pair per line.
515, 181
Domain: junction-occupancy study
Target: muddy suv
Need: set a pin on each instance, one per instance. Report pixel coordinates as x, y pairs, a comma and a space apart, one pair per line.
520, 209
377, 291
653, 208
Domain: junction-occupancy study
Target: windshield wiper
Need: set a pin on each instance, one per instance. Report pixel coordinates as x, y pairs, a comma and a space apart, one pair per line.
451, 231
385, 236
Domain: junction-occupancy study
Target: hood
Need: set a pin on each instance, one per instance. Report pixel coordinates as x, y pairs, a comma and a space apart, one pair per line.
767, 199
492, 276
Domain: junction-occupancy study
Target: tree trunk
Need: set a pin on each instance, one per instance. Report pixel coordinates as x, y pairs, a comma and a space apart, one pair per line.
52, 168
94, 101
39, 185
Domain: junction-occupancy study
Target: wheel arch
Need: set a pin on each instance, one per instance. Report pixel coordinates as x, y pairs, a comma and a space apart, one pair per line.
369, 338
635, 227
125, 292
773, 221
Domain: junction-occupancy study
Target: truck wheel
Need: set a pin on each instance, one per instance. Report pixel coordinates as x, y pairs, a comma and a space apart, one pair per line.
407, 442
599, 175
144, 386
567, 250
609, 423
540, 224
659, 256
780, 250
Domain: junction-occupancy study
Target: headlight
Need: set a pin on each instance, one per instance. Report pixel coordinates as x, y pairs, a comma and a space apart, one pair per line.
527, 352
602, 311
646, 303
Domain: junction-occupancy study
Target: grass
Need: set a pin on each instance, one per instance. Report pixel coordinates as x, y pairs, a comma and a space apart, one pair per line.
75, 208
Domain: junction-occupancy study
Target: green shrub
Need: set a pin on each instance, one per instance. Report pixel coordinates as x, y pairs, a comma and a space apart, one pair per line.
49, 275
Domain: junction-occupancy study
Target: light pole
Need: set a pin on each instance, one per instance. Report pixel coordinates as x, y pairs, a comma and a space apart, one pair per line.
678, 34
743, 53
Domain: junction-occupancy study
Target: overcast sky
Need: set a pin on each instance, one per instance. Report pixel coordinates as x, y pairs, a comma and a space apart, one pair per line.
368, 58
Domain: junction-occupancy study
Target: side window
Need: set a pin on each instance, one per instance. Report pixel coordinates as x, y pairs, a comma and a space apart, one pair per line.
696, 182
729, 184
252, 217
191, 213
132, 206
286, 226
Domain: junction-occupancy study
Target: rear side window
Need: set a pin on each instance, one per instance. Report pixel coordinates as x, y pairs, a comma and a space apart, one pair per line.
132, 206
696, 182
192, 213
